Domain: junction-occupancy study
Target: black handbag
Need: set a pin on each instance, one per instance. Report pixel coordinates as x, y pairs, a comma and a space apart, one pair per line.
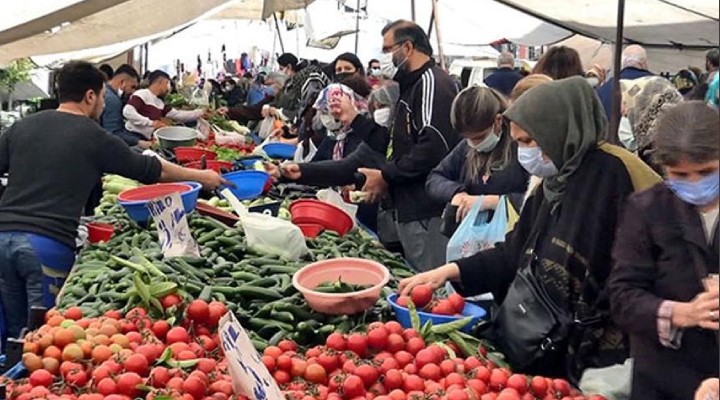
448, 223
528, 325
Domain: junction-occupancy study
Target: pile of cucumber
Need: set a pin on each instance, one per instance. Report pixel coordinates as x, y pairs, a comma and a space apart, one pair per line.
256, 286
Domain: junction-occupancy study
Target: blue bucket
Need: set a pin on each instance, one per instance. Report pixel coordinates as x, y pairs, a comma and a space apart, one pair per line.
402, 315
283, 151
248, 184
248, 162
138, 211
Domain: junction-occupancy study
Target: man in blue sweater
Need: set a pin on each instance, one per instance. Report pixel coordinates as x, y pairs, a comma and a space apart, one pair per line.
634, 66
122, 84
505, 78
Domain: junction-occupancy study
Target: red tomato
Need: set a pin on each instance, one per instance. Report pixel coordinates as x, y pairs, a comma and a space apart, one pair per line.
315, 373
414, 345
393, 379
353, 386
457, 301
287, 345
42, 378
336, 342
413, 382
216, 311
378, 338
478, 386
518, 382
272, 351
498, 379
394, 327
456, 394
198, 311
539, 386
281, 377
389, 364
330, 362
403, 358
561, 386
430, 371
403, 301
194, 387
357, 343
367, 373
159, 377
443, 307
138, 364
509, 394
127, 384
421, 295
424, 357
298, 367
177, 335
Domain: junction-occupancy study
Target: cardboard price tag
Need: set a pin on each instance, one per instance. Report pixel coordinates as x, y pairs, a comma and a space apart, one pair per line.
249, 375
173, 231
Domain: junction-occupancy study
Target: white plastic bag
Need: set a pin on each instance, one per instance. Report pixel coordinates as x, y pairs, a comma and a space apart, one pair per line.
614, 382
268, 234
267, 126
204, 129
225, 138
334, 198
298, 157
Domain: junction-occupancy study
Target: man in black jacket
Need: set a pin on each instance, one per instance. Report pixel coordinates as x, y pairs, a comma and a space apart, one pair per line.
421, 137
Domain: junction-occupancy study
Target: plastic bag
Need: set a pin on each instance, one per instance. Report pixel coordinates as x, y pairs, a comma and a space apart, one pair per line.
334, 198
268, 234
267, 126
204, 129
613, 382
226, 138
476, 233
298, 158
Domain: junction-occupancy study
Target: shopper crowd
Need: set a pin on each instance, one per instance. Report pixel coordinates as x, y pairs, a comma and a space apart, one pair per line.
615, 251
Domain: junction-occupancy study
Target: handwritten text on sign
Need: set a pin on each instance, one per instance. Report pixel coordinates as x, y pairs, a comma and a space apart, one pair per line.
173, 231
249, 375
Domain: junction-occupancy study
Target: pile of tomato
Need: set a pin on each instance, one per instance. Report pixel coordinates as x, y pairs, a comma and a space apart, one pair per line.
425, 299
392, 363
117, 357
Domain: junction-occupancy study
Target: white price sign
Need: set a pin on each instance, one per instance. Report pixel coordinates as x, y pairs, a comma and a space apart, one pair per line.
249, 375
173, 231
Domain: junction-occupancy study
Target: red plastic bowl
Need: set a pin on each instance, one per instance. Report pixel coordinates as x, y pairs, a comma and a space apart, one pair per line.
149, 192
311, 231
190, 154
100, 232
318, 212
351, 270
214, 165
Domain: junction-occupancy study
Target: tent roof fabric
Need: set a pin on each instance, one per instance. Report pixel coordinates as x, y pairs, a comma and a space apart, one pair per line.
651, 23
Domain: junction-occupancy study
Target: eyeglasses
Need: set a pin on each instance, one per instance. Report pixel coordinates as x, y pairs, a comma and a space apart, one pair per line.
389, 49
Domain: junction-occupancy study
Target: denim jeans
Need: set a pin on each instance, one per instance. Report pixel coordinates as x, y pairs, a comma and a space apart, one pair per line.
20, 280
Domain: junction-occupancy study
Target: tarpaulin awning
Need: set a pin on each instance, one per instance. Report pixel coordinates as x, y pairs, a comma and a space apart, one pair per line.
689, 24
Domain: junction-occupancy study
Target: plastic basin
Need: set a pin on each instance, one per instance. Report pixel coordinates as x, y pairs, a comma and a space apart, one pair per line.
215, 165
402, 315
100, 232
135, 201
248, 162
311, 231
351, 270
248, 184
321, 213
283, 151
189, 154
171, 137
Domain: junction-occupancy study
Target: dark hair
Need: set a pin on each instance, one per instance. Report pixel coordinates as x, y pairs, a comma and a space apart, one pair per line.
127, 69
76, 78
107, 70
559, 63
288, 59
687, 131
406, 31
475, 110
157, 75
352, 59
713, 57
358, 84
371, 62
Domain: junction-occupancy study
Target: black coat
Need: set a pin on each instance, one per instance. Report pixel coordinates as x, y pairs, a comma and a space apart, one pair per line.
654, 262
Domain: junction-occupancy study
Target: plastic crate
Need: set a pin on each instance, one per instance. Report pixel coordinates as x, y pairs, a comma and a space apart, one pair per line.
17, 371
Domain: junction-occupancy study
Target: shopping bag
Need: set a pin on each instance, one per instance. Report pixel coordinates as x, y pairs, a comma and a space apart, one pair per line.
512, 215
299, 158
476, 232
613, 382
267, 126
334, 198
268, 234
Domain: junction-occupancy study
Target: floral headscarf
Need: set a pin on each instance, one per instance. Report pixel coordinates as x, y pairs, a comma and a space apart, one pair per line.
322, 105
644, 101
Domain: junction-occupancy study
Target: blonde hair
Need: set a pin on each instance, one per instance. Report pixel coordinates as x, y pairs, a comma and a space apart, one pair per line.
528, 83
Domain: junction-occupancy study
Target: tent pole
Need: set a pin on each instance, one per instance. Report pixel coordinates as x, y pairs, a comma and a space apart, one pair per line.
277, 27
439, 36
412, 10
357, 26
612, 134
432, 22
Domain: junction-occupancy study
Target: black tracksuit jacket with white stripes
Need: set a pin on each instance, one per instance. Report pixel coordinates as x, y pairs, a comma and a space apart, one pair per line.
421, 137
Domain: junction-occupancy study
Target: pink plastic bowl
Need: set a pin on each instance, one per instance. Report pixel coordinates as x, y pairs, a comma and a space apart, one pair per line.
352, 270
307, 211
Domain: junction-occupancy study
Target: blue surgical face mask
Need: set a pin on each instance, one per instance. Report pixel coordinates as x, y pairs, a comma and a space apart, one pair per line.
699, 193
531, 158
487, 145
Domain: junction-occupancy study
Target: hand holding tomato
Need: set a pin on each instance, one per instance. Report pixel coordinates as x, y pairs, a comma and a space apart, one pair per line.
433, 278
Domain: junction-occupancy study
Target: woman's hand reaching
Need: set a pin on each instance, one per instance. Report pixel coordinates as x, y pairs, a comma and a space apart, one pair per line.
434, 278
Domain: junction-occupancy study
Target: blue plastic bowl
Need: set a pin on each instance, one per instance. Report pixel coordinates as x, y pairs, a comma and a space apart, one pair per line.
248, 162
138, 211
248, 184
283, 151
402, 315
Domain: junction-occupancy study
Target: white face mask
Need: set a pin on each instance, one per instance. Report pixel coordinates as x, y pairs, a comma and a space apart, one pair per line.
376, 72
329, 122
382, 117
387, 67
531, 158
625, 134
487, 145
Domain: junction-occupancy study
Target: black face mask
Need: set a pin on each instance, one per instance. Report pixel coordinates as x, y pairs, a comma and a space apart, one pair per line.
343, 75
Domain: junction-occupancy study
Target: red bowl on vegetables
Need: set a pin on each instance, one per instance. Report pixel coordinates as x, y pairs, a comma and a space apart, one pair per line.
311, 231
214, 165
190, 154
149, 192
318, 212
100, 232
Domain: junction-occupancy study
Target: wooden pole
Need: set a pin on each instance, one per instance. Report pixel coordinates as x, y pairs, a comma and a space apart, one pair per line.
277, 27
439, 36
612, 134
357, 26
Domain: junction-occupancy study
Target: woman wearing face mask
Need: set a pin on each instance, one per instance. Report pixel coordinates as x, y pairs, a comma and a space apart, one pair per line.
485, 163
564, 235
667, 246
347, 64
374, 74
